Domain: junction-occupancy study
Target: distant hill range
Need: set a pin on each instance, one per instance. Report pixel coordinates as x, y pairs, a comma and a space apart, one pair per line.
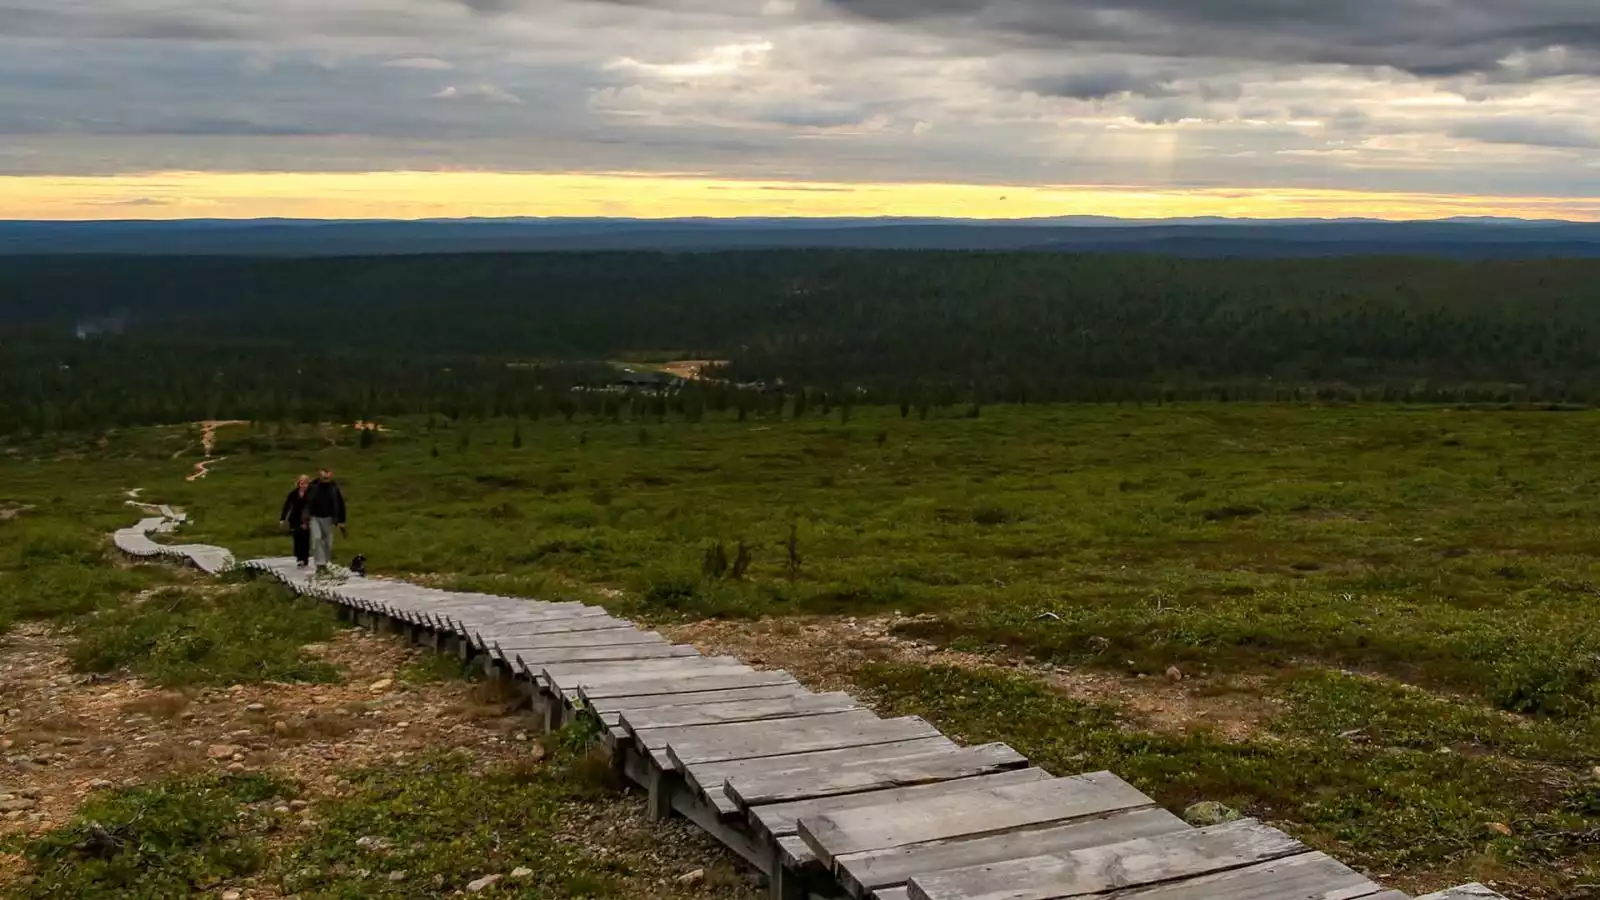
1485, 238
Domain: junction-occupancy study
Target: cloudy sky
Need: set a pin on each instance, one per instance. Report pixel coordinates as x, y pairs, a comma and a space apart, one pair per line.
158, 108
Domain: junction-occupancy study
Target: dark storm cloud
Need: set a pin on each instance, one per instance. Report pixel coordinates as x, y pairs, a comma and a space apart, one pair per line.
1429, 38
1098, 84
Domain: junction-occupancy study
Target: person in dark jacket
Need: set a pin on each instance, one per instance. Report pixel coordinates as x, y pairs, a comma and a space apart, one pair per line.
293, 518
324, 512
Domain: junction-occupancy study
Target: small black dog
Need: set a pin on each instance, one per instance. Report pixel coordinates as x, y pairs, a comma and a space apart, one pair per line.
358, 566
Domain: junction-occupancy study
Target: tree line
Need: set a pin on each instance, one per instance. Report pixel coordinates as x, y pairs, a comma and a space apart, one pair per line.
87, 342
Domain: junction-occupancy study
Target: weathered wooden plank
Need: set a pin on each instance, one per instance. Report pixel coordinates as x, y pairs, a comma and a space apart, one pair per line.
682, 681
746, 711
1097, 869
469, 622
739, 741
793, 852
718, 797
545, 656
560, 626
1474, 891
709, 777
570, 676
862, 873
622, 634
692, 698
776, 737
783, 818
968, 813
1309, 876
785, 786
517, 618
449, 601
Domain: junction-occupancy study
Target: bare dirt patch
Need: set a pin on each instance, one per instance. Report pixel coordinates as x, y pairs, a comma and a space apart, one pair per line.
825, 652
691, 369
64, 736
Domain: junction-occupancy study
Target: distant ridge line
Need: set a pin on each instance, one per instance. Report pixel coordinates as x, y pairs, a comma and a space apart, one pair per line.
1459, 238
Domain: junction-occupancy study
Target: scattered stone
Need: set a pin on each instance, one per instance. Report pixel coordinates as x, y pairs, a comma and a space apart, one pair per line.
280, 727
30, 793
1208, 813
522, 736
18, 806
255, 707
280, 810
372, 843
690, 879
482, 884
221, 751
1174, 673
1500, 828
186, 714
397, 876
379, 687
298, 805
536, 752
236, 767
99, 784
231, 895
69, 741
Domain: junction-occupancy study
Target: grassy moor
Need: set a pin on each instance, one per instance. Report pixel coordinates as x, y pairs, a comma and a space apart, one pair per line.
1375, 627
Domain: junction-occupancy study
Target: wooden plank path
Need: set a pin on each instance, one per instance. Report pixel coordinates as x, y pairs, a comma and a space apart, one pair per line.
816, 791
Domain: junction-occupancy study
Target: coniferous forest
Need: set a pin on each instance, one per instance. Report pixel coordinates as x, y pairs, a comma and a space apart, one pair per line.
99, 341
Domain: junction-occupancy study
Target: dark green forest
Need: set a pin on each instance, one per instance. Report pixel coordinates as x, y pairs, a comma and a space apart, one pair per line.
95, 341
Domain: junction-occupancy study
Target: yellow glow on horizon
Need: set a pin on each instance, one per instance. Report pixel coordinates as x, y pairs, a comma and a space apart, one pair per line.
449, 194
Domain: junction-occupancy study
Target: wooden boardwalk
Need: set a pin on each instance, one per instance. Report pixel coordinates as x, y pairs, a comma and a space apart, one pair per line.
813, 789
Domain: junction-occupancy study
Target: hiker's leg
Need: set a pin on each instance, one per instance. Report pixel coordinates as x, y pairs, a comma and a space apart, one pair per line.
302, 544
322, 540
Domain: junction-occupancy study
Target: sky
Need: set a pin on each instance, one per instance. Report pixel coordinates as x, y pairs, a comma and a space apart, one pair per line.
116, 109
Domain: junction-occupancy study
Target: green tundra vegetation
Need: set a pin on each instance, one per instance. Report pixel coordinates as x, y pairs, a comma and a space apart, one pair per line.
1319, 532
1396, 606
90, 342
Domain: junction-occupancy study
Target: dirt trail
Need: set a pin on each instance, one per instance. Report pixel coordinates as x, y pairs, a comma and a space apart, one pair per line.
208, 443
203, 468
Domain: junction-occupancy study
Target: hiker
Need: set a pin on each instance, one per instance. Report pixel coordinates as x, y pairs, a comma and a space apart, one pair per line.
293, 518
324, 511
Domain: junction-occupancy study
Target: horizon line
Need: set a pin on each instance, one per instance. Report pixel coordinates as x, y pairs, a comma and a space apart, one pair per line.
401, 196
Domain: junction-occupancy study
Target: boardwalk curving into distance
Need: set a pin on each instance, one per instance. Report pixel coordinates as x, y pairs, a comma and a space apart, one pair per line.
813, 789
